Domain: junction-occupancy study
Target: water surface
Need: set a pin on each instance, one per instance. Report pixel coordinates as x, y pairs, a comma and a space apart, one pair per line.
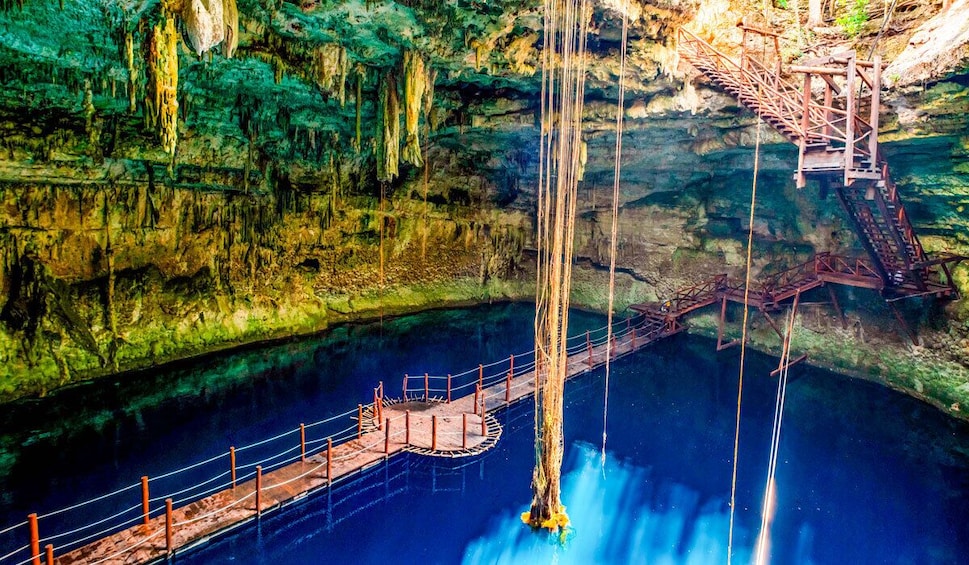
865, 475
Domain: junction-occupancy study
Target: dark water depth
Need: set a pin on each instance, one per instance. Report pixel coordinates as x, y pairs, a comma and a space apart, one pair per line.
865, 475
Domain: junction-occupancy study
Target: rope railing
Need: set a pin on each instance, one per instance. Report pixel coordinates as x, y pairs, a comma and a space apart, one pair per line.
92, 524
75, 543
242, 472
519, 362
77, 536
200, 495
16, 551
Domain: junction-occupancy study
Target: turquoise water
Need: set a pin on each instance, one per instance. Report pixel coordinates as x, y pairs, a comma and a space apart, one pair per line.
865, 475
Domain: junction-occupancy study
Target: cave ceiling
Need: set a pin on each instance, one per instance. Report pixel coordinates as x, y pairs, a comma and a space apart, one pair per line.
270, 89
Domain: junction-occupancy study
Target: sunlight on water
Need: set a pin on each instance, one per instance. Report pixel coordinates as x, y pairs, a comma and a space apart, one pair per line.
620, 514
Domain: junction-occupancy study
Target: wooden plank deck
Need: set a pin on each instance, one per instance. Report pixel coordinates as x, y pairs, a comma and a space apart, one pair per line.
195, 523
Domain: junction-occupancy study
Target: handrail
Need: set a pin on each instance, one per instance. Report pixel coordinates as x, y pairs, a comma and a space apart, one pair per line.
807, 122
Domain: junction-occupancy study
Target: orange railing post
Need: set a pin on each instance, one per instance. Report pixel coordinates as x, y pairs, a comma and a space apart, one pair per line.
375, 414
511, 366
145, 509
481, 376
508, 388
169, 546
407, 427
302, 442
329, 460
449, 388
359, 420
405, 386
484, 424
34, 538
433, 432
50, 554
258, 490
426, 388
232, 464
387, 437
464, 430
378, 409
380, 386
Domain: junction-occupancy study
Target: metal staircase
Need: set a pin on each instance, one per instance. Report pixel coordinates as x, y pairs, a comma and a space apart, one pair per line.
837, 137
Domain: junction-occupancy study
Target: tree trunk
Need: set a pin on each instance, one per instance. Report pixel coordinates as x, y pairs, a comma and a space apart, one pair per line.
814, 14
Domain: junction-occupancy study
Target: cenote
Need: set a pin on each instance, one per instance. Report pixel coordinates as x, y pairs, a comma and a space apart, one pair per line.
865, 474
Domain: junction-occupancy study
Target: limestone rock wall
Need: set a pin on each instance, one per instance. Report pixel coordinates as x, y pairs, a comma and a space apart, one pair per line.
257, 212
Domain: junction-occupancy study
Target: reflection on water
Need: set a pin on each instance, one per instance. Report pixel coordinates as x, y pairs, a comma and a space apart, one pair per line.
620, 513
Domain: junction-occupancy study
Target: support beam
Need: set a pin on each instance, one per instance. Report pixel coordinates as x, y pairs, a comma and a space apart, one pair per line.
805, 126
786, 338
901, 320
851, 107
720, 327
772, 323
837, 307
876, 86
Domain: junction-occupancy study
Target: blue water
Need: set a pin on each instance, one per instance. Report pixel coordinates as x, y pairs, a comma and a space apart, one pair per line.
865, 475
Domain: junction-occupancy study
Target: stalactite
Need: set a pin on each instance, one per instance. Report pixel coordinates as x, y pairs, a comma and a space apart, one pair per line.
583, 159
204, 24
361, 76
129, 48
89, 110
230, 21
330, 68
479, 53
429, 94
415, 79
161, 112
388, 129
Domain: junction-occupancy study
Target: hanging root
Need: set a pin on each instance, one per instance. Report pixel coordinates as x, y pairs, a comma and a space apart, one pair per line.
557, 520
560, 160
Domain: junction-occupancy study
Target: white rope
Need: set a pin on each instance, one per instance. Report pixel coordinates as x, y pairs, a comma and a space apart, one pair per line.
743, 345
205, 493
770, 486
128, 549
350, 412
103, 533
13, 527
191, 488
15, 552
86, 502
91, 525
268, 459
189, 467
267, 440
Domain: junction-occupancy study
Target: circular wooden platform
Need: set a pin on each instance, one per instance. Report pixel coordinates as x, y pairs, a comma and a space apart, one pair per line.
458, 433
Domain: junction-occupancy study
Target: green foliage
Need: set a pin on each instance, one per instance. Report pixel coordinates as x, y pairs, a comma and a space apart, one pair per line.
855, 18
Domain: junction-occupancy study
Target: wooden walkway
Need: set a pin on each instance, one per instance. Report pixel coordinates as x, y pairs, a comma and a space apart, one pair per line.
431, 427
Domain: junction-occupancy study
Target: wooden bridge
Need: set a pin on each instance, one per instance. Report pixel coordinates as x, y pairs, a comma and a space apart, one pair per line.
837, 139
435, 415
